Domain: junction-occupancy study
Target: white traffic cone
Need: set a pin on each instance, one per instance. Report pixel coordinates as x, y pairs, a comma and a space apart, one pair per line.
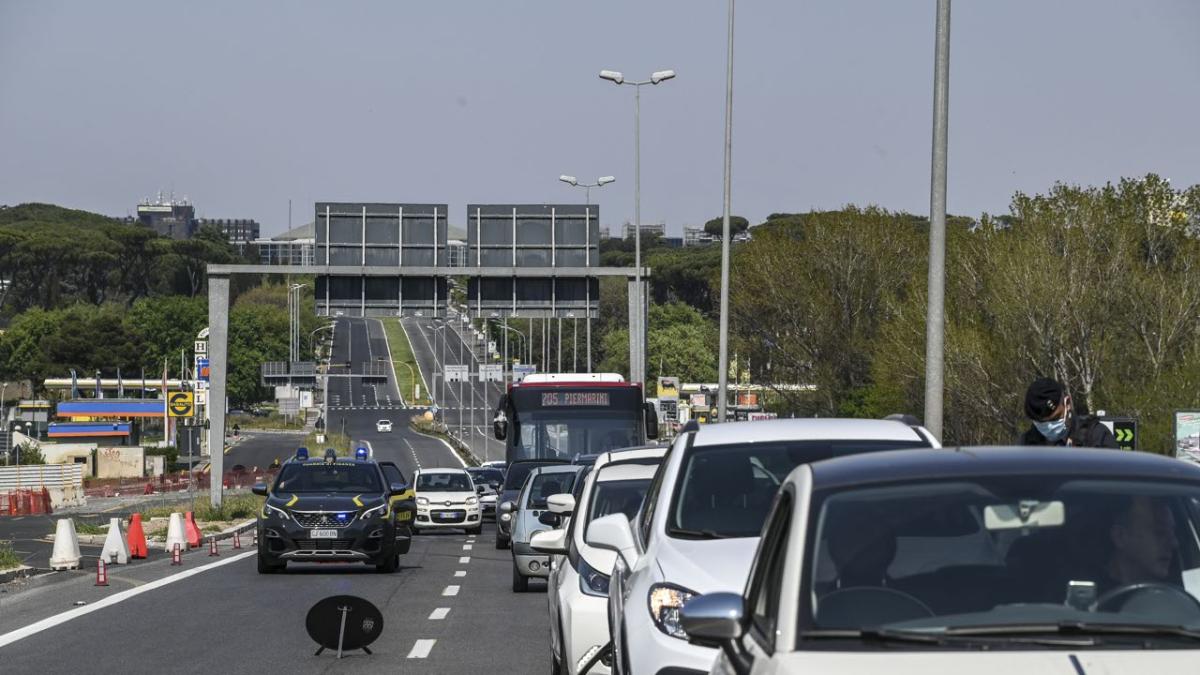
116, 549
175, 533
66, 546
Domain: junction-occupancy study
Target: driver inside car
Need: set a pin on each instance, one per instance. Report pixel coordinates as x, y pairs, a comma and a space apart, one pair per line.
1143, 545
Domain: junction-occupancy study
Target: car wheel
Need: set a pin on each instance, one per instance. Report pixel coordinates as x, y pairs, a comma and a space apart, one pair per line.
520, 582
501, 543
475, 530
266, 567
390, 565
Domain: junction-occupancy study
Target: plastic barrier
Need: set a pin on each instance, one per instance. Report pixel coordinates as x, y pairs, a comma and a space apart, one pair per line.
137, 538
115, 550
192, 530
175, 534
101, 573
66, 546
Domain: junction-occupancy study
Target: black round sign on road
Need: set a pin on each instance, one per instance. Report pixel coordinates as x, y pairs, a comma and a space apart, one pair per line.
344, 622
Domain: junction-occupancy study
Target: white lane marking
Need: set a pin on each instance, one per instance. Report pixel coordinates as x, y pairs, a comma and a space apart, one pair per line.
421, 649
414, 351
58, 619
370, 450
464, 560
460, 573
414, 453
439, 613
450, 591
467, 547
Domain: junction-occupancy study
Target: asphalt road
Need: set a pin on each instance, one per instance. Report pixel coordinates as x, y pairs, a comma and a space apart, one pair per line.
449, 609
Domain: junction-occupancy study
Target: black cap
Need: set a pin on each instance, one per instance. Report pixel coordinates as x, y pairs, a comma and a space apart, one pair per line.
1043, 398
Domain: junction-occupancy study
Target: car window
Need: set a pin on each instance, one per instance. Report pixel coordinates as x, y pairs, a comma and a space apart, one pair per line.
444, 482
545, 484
646, 516
617, 496
392, 473
328, 477
767, 577
725, 490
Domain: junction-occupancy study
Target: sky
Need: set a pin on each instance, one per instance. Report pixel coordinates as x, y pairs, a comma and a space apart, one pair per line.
242, 106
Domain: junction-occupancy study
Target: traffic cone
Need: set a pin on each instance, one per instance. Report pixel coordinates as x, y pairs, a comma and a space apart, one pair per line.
176, 559
101, 573
66, 546
115, 548
137, 537
175, 534
192, 530
149, 489
237, 540
212, 547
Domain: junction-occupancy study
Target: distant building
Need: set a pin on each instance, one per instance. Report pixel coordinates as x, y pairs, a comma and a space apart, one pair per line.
239, 231
652, 229
297, 246
697, 236
170, 217
456, 252
605, 233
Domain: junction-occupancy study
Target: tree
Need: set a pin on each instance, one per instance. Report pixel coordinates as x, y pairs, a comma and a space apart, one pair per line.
28, 453
737, 224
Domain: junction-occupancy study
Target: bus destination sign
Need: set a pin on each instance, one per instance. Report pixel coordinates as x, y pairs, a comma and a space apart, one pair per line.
575, 398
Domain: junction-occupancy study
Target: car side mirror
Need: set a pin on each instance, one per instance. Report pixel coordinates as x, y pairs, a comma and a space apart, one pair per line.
506, 507
479, 489
259, 489
714, 619
500, 427
613, 533
561, 504
549, 519
552, 542
397, 488
651, 421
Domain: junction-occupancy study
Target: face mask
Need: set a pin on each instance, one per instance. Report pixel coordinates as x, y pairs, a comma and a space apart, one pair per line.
1052, 430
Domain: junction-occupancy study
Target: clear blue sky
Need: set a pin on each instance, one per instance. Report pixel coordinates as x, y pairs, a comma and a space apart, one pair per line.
243, 105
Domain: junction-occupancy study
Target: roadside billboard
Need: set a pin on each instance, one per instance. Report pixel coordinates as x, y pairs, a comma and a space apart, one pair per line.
1187, 435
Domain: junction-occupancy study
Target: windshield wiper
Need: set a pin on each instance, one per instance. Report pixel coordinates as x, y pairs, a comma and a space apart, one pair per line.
1082, 628
981, 640
696, 534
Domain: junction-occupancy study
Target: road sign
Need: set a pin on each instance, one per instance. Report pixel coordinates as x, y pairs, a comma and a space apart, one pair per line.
1124, 429
458, 373
181, 404
1187, 435
201, 347
668, 388
519, 372
491, 373
491, 346
202, 370
201, 397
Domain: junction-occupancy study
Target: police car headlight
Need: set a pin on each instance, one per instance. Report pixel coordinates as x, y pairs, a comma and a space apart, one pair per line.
274, 511
375, 512
471, 501
422, 500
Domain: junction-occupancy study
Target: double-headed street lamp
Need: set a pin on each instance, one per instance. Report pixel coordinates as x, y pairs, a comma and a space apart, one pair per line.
639, 371
600, 182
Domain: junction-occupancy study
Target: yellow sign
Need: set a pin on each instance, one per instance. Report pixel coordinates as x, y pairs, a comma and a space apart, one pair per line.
181, 404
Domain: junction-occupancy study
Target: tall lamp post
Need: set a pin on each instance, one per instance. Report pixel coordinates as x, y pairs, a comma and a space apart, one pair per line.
587, 196
723, 348
639, 370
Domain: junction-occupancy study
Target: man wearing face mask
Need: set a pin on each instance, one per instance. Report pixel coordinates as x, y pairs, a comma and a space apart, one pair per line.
1048, 404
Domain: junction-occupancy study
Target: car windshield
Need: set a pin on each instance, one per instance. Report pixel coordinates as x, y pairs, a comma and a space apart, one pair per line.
518, 473
617, 496
1012, 551
546, 484
444, 482
323, 477
726, 490
565, 435
489, 476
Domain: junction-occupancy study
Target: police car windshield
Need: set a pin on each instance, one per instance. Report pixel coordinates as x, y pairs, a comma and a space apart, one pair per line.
444, 482
323, 477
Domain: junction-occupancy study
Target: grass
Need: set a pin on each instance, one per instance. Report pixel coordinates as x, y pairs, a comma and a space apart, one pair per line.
233, 507
431, 427
271, 421
8, 558
402, 355
337, 441
83, 527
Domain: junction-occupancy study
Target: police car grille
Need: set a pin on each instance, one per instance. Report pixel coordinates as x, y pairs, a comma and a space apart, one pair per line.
323, 544
317, 519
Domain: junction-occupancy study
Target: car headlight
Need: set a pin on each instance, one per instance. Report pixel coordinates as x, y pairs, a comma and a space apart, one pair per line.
422, 500
665, 602
506, 517
591, 582
269, 511
375, 512
471, 501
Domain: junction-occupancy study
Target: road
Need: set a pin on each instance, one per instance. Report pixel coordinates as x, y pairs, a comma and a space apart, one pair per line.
449, 609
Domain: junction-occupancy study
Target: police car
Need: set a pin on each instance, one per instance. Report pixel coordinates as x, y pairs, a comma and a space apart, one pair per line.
333, 509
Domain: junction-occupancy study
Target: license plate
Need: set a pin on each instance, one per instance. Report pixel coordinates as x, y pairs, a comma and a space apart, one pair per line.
447, 516
323, 534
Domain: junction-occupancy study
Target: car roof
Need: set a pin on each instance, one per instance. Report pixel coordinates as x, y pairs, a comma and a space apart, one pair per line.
556, 468
632, 454
808, 428
445, 469
964, 462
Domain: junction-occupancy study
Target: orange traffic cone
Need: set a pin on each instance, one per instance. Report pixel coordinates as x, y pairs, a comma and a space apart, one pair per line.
137, 537
191, 530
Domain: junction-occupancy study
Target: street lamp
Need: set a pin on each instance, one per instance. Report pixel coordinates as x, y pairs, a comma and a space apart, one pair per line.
638, 372
600, 182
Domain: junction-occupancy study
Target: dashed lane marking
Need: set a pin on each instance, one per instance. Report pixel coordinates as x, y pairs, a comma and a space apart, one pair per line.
467, 547
460, 573
464, 560
421, 649
439, 614
450, 591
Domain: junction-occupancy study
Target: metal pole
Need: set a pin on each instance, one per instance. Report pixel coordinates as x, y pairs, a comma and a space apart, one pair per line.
723, 354
558, 357
218, 335
574, 345
638, 368
504, 324
589, 340
935, 311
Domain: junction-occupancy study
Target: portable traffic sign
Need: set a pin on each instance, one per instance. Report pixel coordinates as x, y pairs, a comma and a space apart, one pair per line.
181, 404
1124, 429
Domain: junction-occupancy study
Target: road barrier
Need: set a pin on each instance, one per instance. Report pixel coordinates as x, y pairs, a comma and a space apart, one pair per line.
26, 502
191, 530
212, 547
237, 540
101, 573
56, 484
116, 549
137, 538
175, 534
66, 546
176, 558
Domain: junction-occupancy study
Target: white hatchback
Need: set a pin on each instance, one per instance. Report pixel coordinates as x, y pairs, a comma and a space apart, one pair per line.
578, 585
699, 526
383, 426
447, 499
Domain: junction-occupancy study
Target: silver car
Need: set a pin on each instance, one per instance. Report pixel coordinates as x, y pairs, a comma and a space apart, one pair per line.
531, 515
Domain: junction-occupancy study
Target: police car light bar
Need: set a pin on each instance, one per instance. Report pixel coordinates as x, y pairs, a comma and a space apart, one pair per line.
360, 453
301, 453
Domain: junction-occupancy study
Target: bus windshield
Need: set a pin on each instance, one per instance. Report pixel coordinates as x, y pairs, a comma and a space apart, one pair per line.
570, 433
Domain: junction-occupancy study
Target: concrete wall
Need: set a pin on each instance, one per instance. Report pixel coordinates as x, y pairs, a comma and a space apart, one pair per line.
155, 465
70, 453
120, 462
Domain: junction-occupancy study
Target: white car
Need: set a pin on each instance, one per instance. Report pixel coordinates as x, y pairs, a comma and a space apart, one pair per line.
987, 561
577, 589
383, 426
697, 530
528, 517
447, 499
